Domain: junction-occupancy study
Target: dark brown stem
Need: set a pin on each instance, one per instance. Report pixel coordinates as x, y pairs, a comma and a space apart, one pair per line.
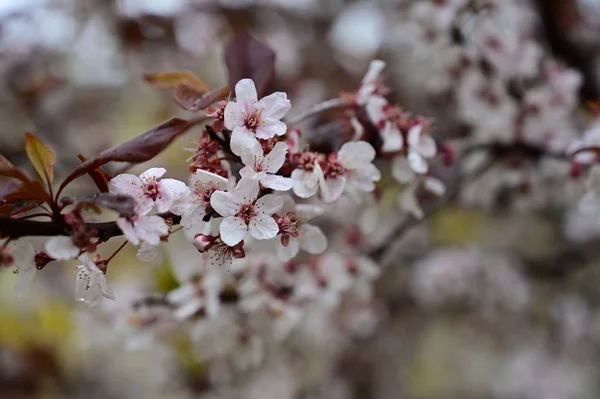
17, 228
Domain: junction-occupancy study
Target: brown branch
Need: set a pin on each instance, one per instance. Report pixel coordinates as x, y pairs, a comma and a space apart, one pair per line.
317, 109
17, 228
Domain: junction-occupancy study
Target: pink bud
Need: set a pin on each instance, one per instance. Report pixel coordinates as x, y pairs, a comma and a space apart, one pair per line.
203, 242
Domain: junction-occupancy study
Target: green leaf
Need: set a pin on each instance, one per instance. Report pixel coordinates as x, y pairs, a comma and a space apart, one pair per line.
41, 157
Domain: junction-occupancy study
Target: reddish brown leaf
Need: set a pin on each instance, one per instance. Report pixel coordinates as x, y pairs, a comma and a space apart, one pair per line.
41, 157
122, 204
137, 150
170, 79
192, 100
100, 177
32, 190
9, 170
247, 57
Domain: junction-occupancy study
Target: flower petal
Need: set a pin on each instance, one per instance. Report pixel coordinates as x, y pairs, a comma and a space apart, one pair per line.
245, 191
306, 184
355, 154
152, 173
332, 189
288, 253
374, 108
275, 159
25, 281
151, 229
263, 227
278, 183
269, 204
392, 138
223, 203
147, 252
61, 248
401, 170
233, 115
232, 230
126, 184
270, 128
245, 91
275, 105
203, 178
169, 191
417, 162
242, 139
128, 231
312, 239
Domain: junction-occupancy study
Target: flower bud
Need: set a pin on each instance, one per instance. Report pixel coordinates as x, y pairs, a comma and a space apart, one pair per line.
203, 242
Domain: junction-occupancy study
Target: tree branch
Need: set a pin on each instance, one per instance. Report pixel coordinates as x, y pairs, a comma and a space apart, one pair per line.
17, 228
317, 109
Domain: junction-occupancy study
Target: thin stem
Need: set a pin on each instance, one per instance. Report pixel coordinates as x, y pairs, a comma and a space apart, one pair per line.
317, 109
116, 252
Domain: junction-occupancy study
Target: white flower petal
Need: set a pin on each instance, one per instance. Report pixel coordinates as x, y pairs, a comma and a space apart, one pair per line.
232, 230
312, 239
147, 252
270, 128
332, 189
25, 281
128, 231
263, 227
278, 183
242, 139
126, 184
61, 248
275, 105
306, 184
224, 203
275, 159
246, 191
355, 154
245, 91
151, 229
374, 108
392, 138
152, 173
417, 162
414, 136
203, 178
269, 204
434, 185
402, 171
233, 116
23, 254
288, 253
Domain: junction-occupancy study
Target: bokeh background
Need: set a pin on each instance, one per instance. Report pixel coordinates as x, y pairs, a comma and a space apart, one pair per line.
494, 296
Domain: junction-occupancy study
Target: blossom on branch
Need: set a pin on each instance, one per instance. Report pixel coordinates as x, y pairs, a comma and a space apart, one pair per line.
91, 286
243, 212
263, 168
148, 190
250, 119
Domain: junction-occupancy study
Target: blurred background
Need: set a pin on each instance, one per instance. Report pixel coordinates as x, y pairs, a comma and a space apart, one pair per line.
494, 296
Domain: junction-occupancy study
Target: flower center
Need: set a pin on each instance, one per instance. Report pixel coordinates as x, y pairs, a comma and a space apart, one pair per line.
333, 168
151, 188
203, 195
246, 212
307, 161
252, 121
288, 224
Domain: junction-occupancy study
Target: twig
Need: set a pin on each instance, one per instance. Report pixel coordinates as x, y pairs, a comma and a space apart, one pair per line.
317, 109
381, 253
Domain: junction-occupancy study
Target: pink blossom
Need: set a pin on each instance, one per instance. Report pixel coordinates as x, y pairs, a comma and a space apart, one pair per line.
250, 119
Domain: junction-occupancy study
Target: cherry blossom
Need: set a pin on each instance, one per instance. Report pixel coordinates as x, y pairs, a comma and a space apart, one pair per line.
194, 205
353, 165
409, 200
24, 258
249, 119
62, 248
307, 174
217, 253
263, 168
148, 190
148, 228
370, 86
243, 212
91, 286
295, 233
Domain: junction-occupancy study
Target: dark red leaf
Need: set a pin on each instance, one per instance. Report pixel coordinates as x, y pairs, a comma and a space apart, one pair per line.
122, 204
32, 191
247, 57
190, 99
137, 150
100, 177
9, 170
